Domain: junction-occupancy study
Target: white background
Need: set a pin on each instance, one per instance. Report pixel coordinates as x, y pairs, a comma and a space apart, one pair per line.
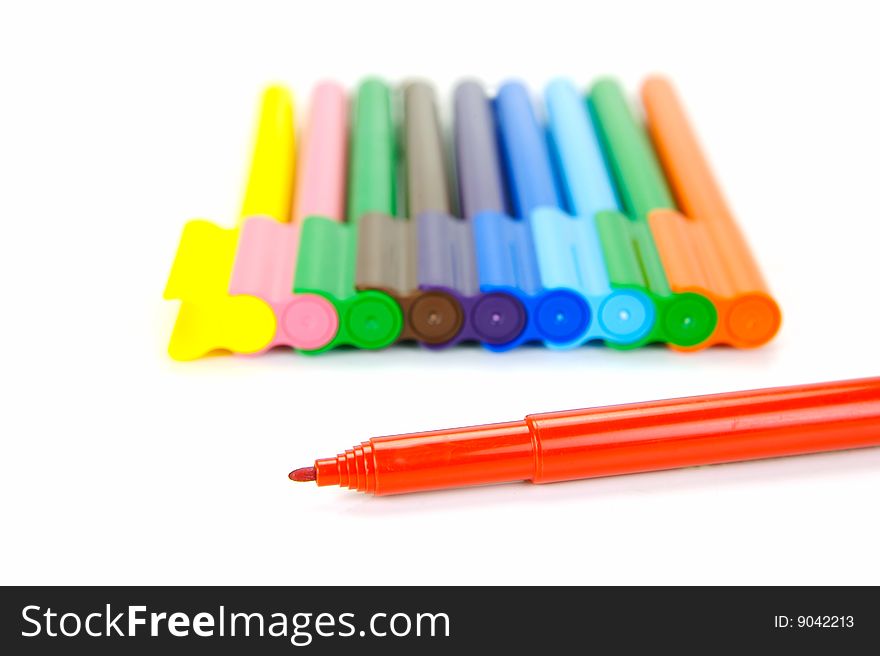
120, 466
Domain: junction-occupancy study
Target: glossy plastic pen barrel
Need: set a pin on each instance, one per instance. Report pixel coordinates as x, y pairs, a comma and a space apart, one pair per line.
703, 248
327, 260
427, 184
584, 179
524, 151
480, 183
372, 184
320, 182
684, 319
269, 189
623, 439
569, 247
499, 317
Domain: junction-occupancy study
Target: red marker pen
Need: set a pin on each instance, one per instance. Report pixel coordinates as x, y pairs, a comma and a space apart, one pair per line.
622, 439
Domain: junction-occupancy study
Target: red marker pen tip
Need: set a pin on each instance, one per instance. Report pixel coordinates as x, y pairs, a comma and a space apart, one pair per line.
303, 474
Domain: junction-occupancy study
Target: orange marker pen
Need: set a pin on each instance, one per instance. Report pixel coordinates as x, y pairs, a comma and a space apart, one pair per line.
703, 249
622, 439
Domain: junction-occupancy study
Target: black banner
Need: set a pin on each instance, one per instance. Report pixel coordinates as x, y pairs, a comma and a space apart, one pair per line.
288, 620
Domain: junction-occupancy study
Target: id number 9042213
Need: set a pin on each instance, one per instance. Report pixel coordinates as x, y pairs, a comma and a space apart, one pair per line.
814, 622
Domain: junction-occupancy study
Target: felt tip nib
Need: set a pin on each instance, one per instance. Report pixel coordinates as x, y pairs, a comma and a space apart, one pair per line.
303, 474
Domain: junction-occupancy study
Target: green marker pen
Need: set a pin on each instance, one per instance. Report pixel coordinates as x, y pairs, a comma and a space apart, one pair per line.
328, 249
683, 319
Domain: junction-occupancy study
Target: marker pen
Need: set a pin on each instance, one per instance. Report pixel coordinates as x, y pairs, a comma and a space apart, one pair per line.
684, 319
265, 262
498, 317
388, 250
210, 317
568, 247
622, 439
703, 249
327, 259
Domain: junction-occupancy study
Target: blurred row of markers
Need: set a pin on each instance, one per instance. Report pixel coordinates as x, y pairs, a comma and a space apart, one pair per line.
561, 220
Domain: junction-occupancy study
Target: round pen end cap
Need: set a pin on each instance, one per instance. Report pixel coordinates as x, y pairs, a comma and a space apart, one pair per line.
627, 316
435, 317
309, 322
753, 320
562, 317
498, 318
373, 319
689, 319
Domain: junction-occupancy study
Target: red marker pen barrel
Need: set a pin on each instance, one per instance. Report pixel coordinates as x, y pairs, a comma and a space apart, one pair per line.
622, 439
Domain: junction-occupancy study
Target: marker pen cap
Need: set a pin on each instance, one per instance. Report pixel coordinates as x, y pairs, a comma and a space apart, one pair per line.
209, 318
325, 264
505, 254
386, 254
